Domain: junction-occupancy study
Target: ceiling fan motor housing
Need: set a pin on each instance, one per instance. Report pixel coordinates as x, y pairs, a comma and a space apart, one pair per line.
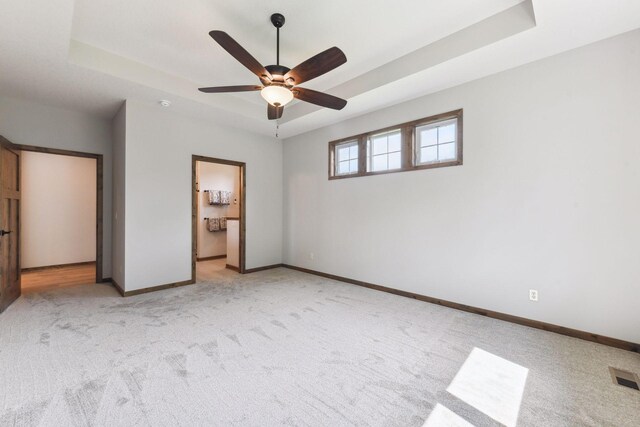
278, 72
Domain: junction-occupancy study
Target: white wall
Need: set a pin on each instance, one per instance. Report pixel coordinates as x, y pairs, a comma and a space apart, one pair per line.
57, 209
159, 146
215, 176
548, 197
28, 123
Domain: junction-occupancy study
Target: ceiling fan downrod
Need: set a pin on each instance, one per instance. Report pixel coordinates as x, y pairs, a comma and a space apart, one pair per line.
277, 19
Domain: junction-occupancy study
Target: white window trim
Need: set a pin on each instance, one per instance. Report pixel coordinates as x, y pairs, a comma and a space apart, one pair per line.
437, 124
353, 143
370, 154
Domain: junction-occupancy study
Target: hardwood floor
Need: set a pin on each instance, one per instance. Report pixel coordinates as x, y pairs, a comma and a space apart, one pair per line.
213, 269
57, 277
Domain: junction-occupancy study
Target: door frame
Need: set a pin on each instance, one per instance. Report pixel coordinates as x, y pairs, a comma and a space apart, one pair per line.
194, 208
99, 192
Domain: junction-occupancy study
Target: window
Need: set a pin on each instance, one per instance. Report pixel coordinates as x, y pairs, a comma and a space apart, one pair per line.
421, 144
436, 142
346, 155
384, 151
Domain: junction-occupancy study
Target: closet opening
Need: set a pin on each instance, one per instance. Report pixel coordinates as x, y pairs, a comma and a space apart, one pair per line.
60, 211
218, 218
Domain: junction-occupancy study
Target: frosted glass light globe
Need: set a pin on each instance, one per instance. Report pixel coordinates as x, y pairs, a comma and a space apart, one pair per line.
277, 96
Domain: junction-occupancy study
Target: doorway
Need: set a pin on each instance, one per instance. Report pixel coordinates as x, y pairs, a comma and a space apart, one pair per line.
57, 220
218, 218
12, 214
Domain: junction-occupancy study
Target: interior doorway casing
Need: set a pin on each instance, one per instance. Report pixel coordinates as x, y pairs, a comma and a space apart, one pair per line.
99, 193
194, 209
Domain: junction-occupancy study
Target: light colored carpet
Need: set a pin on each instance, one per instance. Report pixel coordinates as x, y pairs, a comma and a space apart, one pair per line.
281, 347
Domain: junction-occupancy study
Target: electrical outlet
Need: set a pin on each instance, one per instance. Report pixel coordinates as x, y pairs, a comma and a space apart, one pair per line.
533, 294
312, 255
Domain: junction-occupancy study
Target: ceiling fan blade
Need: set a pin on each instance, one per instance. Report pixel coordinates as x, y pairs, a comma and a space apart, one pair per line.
274, 113
238, 52
220, 89
317, 65
319, 98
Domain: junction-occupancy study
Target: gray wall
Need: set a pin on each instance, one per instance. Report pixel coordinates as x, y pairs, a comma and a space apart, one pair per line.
119, 127
159, 146
28, 123
548, 197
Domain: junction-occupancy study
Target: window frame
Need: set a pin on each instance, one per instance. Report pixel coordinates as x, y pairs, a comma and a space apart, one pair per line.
350, 143
409, 156
370, 150
433, 125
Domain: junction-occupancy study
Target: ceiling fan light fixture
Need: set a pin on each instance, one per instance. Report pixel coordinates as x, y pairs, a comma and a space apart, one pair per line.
280, 83
277, 96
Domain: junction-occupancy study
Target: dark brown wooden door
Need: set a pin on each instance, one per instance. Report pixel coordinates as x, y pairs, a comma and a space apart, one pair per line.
9, 226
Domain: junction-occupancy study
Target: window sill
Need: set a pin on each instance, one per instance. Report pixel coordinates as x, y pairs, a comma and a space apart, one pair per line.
413, 168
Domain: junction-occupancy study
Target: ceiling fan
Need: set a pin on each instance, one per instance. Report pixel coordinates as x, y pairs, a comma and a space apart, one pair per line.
279, 83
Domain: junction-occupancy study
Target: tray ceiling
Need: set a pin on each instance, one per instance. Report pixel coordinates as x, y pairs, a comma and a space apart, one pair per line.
90, 55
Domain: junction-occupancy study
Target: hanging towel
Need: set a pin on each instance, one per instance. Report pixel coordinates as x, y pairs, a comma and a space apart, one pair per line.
214, 197
223, 223
213, 224
225, 197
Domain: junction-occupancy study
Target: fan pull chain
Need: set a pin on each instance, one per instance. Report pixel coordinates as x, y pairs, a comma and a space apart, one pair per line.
277, 128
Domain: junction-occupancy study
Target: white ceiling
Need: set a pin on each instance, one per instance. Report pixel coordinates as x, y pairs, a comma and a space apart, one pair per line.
90, 55
174, 38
